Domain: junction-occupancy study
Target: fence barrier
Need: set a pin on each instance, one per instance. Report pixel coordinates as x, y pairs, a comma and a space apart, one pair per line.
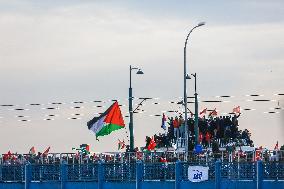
152, 157
140, 172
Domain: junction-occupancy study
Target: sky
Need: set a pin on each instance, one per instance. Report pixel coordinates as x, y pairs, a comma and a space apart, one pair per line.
70, 51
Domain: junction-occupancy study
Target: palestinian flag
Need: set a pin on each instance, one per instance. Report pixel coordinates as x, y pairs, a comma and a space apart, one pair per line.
121, 144
107, 122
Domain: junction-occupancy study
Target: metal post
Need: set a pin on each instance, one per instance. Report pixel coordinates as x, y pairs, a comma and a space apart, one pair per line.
130, 113
196, 129
63, 172
259, 176
101, 175
185, 97
178, 171
139, 174
28, 175
217, 175
184, 86
131, 107
1, 167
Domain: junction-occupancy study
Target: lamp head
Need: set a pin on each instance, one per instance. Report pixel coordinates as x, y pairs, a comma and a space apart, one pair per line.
139, 72
187, 76
201, 24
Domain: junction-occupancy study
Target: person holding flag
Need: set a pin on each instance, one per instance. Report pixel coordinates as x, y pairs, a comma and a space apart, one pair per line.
32, 151
237, 110
276, 147
275, 155
152, 144
164, 119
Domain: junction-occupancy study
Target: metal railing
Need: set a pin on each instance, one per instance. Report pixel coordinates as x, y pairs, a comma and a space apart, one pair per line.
273, 170
45, 172
151, 157
120, 171
12, 173
238, 171
126, 172
159, 171
84, 172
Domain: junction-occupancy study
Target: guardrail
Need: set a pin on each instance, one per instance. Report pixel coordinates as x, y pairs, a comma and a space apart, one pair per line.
151, 157
125, 172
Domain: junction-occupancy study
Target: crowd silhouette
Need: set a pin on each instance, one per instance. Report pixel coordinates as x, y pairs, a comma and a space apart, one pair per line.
221, 131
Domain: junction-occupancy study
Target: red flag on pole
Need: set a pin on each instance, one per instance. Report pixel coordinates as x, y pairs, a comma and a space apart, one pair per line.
203, 111
152, 144
213, 113
45, 153
191, 114
7, 156
276, 146
200, 137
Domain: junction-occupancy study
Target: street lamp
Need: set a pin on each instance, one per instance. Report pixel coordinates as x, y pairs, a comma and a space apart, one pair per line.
139, 72
185, 76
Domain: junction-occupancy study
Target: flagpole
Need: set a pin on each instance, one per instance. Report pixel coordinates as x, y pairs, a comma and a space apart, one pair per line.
184, 87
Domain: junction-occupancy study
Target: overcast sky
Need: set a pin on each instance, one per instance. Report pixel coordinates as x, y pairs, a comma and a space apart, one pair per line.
66, 51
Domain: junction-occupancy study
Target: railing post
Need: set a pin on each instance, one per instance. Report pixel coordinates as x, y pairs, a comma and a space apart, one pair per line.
217, 175
1, 172
178, 174
63, 172
139, 174
259, 174
28, 175
101, 175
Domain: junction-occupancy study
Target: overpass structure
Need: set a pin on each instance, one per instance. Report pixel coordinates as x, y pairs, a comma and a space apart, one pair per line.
142, 175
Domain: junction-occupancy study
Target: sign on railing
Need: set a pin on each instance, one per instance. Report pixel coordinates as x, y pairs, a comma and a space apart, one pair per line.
197, 173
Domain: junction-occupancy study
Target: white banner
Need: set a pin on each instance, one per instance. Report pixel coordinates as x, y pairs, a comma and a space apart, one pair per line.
197, 173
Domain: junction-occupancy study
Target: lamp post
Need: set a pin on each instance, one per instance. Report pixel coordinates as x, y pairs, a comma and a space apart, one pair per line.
185, 76
196, 131
131, 108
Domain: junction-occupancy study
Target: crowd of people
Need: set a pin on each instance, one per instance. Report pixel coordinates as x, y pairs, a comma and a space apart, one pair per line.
223, 131
150, 157
219, 138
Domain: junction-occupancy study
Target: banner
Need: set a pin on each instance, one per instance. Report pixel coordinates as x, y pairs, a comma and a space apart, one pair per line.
197, 173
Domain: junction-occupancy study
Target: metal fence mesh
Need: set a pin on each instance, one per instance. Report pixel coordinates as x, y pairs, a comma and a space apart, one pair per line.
120, 171
159, 171
273, 171
12, 173
45, 172
82, 172
125, 172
